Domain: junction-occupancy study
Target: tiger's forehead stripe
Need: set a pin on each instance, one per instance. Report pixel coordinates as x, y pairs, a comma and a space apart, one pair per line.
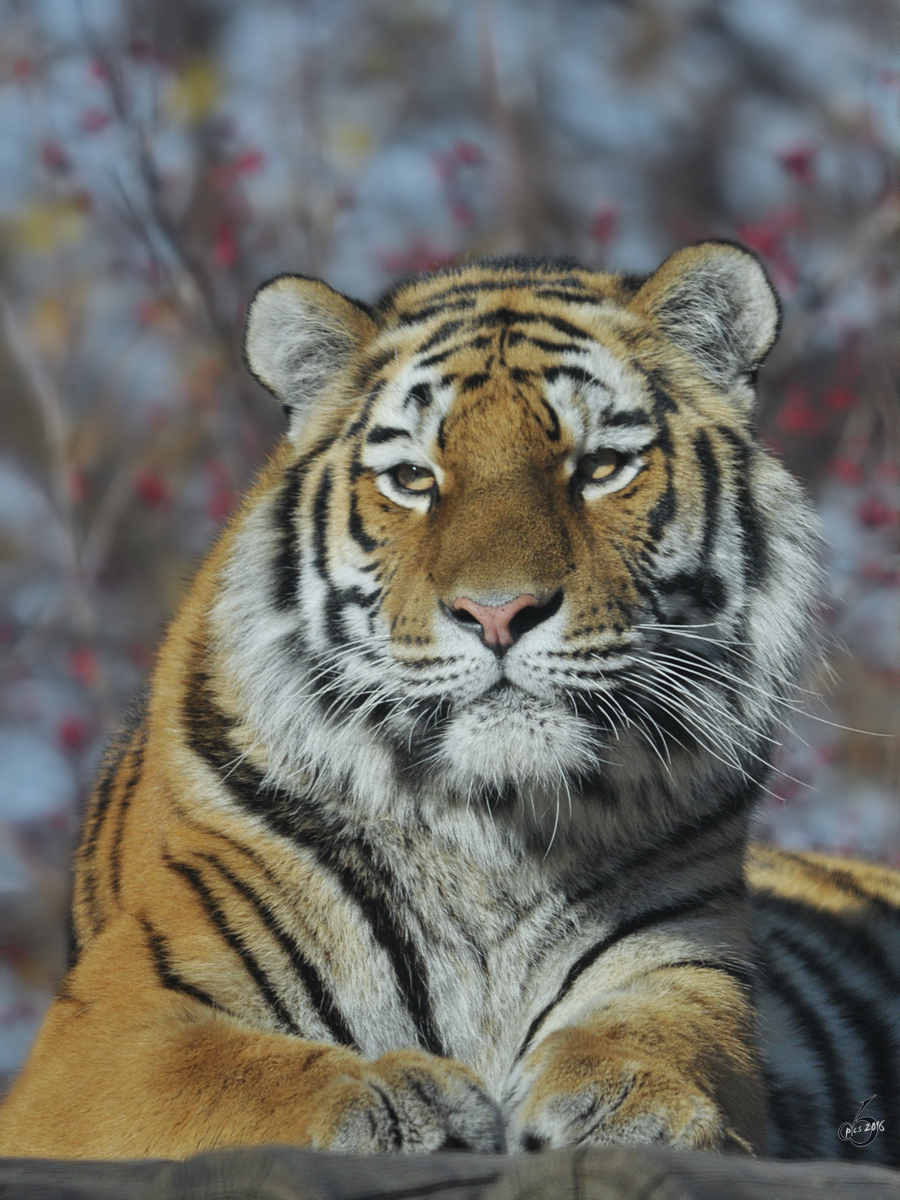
497, 277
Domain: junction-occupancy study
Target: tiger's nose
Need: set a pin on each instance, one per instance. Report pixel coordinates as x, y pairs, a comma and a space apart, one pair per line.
495, 619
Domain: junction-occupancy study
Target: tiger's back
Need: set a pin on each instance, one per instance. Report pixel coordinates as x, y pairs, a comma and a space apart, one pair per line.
432, 829
828, 953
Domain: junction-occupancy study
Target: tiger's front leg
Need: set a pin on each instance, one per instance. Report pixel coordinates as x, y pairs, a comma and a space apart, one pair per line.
124, 1068
668, 1060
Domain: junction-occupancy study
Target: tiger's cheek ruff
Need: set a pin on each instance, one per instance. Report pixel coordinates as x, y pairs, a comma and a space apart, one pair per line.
301, 669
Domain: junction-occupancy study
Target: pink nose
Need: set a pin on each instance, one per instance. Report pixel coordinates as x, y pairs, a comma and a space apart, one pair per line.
494, 619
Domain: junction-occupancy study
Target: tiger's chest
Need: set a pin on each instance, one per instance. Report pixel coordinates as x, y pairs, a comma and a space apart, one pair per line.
398, 938
448, 932
457, 945
455, 953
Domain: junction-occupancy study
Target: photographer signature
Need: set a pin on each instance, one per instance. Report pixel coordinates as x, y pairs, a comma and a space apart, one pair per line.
861, 1131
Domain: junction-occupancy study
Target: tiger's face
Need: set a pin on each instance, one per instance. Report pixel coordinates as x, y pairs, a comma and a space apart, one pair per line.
526, 538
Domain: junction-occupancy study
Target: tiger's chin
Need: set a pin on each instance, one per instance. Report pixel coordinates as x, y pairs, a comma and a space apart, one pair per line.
513, 739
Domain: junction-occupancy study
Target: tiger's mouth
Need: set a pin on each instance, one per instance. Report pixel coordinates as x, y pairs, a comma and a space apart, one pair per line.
500, 688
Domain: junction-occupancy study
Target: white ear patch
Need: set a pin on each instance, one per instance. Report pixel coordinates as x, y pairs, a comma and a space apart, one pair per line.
715, 301
300, 335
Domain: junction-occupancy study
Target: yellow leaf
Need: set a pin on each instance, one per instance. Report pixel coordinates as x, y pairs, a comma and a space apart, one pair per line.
350, 142
194, 93
41, 227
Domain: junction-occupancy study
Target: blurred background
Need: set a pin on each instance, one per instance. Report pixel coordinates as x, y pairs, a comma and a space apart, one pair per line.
159, 159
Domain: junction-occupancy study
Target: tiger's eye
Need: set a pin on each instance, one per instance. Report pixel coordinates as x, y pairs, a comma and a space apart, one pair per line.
600, 466
412, 478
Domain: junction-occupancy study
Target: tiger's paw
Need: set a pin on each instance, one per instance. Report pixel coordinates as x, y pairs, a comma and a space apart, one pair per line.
408, 1102
578, 1089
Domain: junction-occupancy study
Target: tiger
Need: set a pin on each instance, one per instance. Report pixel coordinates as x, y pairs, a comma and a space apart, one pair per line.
433, 828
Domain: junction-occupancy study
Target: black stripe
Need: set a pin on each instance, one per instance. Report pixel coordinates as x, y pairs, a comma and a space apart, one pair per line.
421, 394
320, 523
370, 885
470, 382
663, 402
296, 818
703, 584
286, 564
385, 433
510, 316
712, 489
337, 599
370, 367
633, 925
553, 430
363, 416
115, 855
848, 883
657, 382
322, 998
415, 316
87, 873
236, 942
576, 374
119, 744
665, 508
815, 1034
440, 335
167, 976
567, 328
394, 1135
852, 932
633, 418
355, 526
707, 590
859, 1009
433, 359
73, 945
568, 296
554, 347
755, 542
475, 343
207, 733
524, 283
793, 1120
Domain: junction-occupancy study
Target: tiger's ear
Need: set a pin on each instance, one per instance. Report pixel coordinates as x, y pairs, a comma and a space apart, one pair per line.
300, 335
715, 301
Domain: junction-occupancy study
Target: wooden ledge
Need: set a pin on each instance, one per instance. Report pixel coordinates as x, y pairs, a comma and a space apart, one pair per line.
283, 1173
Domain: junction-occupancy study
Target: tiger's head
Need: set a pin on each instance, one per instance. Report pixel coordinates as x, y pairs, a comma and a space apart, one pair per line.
520, 538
